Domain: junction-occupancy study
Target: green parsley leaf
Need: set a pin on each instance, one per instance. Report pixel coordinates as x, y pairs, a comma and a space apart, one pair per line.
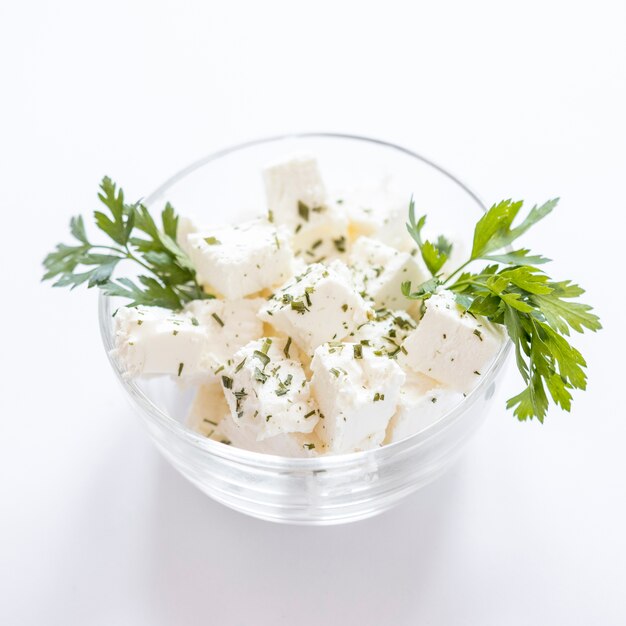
537, 312
171, 280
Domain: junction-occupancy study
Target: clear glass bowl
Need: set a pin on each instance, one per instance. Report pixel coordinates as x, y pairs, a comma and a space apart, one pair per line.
227, 187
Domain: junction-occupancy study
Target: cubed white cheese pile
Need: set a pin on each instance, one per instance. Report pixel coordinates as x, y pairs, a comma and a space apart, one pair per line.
308, 346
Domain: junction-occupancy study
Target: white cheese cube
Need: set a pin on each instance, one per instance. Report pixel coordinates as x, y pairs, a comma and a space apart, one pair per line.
210, 416
291, 183
284, 444
323, 236
368, 206
267, 391
357, 393
386, 333
151, 340
393, 231
208, 410
422, 403
230, 324
241, 260
450, 345
297, 199
317, 306
380, 271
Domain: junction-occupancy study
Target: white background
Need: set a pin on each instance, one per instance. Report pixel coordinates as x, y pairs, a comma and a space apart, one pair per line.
526, 101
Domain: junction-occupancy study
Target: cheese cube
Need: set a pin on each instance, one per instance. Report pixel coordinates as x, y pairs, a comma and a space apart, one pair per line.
208, 410
450, 345
297, 199
422, 403
321, 237
367, 206
317, 306
380, 271
267, 391
152, 340
210, 416
357, 393
241, 260
293, 182
386, 333
230, 324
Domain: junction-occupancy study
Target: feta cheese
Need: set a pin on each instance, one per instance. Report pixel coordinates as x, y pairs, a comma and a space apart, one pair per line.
357, 393
451, 346
284, 444
293, 182
367, 206
241, 260
297, 199
422, 403
380, 271
208, 410
386, 333
317, 306
152, 340
230, 324
210, 416
267, 391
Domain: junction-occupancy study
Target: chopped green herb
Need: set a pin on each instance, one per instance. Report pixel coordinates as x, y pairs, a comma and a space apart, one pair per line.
195, 322
270, 216
298, 306
309, 446
309, 414
217, 318
259, 376
344, 307
180, 368
262, 357
238, 368
340, 244
227, 381
303, 211
358, 351
212, 241
287, 346
335, 372
478, 334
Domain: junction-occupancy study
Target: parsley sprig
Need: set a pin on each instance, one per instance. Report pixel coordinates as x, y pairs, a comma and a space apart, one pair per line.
537, 311
167, 278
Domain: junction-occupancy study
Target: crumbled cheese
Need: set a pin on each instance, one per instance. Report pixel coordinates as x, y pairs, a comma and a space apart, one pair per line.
268, 392
317, 306
451, 346
356, 396
380, 271
238, 261
152, 340
422, 402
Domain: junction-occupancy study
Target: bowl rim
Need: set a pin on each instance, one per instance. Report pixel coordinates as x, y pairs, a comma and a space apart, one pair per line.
270, 461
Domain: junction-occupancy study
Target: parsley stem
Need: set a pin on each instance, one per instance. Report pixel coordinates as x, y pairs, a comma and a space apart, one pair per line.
456, 271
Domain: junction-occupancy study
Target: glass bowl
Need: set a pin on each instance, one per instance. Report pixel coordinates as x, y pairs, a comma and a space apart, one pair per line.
226, 187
